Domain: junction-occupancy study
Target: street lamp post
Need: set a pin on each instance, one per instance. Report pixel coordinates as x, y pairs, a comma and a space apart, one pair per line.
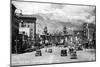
16, 41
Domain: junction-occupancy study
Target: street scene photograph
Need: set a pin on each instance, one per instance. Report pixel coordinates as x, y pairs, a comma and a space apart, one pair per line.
52, 33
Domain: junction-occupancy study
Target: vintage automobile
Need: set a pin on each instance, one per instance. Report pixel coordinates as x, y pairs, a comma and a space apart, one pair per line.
49, 50
46, 50
64, 52
79, 48
38, 53
73, 54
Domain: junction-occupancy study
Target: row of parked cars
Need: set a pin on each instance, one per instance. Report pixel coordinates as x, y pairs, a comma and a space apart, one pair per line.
64, 52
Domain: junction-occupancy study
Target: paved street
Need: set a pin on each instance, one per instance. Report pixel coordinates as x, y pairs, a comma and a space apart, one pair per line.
30, 58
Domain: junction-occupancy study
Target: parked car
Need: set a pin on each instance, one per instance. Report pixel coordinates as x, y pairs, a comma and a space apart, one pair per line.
38, 53
49, 50
64, 52
73, 54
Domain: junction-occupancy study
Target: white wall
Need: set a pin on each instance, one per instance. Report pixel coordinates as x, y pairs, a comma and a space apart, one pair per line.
26, 30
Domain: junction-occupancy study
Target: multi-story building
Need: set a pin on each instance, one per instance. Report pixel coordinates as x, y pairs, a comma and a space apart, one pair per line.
88, 30
14, 29
85, 31
89, 35
27, 24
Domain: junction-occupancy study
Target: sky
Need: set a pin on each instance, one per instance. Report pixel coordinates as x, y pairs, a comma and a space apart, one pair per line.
55, 16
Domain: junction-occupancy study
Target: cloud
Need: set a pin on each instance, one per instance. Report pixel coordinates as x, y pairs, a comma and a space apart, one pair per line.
57, 15
58, 11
